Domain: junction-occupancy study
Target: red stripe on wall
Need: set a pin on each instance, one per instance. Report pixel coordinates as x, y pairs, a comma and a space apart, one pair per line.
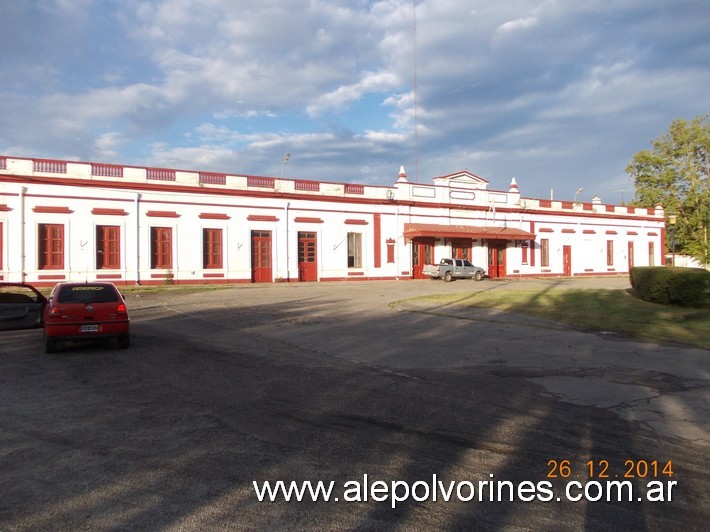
162, 214
108, 212
377, 239
307, 220
54, 210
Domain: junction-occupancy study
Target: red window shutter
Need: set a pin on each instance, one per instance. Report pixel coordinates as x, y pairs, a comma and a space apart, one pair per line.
51, 247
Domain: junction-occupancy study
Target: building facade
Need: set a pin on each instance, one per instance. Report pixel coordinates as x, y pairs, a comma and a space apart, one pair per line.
64, 220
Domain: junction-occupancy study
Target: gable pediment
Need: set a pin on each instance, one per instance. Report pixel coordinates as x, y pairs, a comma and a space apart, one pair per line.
463, 179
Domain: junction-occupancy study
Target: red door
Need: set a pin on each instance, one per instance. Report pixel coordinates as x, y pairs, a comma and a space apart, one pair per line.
307, 257
261, 257
461, 249
631, 255
422, 254
567, 260
496, 258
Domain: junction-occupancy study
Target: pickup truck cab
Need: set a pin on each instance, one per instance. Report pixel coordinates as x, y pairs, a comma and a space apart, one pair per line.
450, 269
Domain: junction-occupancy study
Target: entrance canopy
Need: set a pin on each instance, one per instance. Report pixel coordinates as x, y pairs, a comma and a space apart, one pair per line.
465, 231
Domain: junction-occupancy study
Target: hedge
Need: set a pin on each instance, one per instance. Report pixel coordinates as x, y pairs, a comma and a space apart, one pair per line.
688, 287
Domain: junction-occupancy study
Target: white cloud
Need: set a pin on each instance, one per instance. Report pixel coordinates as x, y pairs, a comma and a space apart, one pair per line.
531, 88
371, 82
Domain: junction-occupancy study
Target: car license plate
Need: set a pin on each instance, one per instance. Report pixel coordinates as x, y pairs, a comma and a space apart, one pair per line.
89, 328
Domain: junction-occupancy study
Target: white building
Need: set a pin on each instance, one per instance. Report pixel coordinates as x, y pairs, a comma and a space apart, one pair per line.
63, 220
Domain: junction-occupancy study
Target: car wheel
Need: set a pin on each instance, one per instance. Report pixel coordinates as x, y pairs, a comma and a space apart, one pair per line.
478, 276
448, 277
50, 344
124, 342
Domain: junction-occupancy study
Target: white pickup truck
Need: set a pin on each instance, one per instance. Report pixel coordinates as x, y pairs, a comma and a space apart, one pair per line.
450, 269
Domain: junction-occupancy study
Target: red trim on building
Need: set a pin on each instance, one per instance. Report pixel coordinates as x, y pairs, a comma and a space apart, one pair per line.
210, 178
418, 230
303, 184
610, 208
377, 239
213, 216
160, 174
611, 233
652, 233
546, 230
108, 212
633, 233
213, 275
390, 250
152, 185
106, 170
569, 231
307, 220
352, 221
109, 276
352, 188
52, 210
589, 232
260, 181
4, 208
51, 277
355, 274
262, 218
162, 214
50, 166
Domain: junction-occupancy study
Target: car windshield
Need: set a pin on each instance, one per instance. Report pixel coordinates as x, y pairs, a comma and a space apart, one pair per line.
87, 294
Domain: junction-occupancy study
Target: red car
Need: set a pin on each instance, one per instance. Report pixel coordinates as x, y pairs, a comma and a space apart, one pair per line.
81, 311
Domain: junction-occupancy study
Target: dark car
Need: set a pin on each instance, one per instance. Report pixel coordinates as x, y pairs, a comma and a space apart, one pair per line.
85, 311
21, 306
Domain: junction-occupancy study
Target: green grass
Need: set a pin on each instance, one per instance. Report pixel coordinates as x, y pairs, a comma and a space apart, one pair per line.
603, 310
158, 288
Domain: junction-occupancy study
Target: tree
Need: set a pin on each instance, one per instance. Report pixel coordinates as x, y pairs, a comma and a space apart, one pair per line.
676, 174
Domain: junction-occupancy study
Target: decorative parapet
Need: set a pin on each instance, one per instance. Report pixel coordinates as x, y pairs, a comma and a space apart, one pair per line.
459, 190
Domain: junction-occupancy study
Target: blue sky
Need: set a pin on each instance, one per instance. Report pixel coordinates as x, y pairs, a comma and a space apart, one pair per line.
558, 94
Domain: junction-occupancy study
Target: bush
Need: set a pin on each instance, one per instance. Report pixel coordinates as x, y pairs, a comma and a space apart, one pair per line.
688, 287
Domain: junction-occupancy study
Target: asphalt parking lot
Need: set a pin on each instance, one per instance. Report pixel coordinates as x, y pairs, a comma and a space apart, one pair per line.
331, 382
